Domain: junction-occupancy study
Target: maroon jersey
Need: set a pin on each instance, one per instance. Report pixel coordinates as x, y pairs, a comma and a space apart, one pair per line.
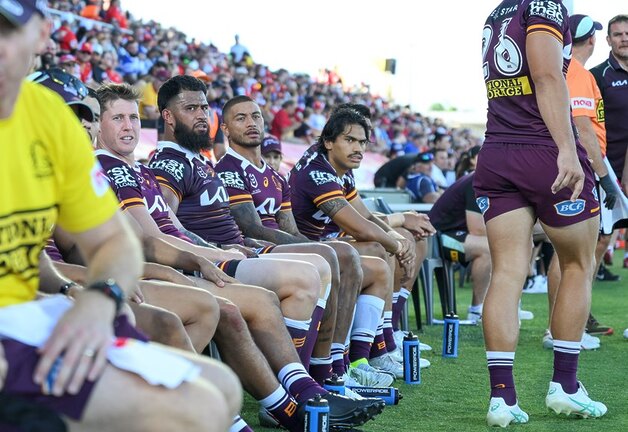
449, 212
203, 200
53, 251
137, 186
313, 182
513, 113
264, 187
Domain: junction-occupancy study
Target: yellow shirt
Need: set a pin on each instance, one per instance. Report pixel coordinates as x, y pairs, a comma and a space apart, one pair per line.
48, 175
149, 98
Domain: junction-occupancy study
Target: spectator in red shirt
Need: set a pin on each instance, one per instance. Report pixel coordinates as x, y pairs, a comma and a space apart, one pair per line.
285, 121
114, 13
65, 37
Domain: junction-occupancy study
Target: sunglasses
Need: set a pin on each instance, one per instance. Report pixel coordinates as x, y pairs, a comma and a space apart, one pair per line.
63, 78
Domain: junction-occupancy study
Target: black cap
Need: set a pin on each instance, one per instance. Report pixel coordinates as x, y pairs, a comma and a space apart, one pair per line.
19, 12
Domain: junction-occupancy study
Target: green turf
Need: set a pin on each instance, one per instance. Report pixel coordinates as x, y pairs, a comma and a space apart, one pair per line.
453, 395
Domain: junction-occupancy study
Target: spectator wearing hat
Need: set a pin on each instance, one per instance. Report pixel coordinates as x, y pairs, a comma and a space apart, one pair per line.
84, 57
419, 184
271, 152
68, 63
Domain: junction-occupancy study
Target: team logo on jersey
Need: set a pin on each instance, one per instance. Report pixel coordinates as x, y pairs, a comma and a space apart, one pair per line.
548, 9
483, 203
100, 182
322, 177
232, 179
277, 183
570, 208
41, 161
253, 180
201, 172
121, 176
170, 166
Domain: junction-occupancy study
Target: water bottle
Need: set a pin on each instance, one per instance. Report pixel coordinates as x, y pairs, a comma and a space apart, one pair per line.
390, 395
450, 335
335, 385
411, 359
316, 415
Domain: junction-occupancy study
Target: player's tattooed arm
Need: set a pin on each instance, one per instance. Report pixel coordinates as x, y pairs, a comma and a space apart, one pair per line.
331, 207
196, 239
251, 225
286, 222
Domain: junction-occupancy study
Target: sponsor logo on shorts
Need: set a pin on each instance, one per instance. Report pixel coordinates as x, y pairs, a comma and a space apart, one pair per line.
569, 208
594, 191
483, 203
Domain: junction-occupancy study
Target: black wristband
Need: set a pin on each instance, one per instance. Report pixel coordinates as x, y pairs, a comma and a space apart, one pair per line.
65, 288
111, 289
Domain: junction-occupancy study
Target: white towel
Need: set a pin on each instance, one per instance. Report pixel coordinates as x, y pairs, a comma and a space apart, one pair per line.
32, 323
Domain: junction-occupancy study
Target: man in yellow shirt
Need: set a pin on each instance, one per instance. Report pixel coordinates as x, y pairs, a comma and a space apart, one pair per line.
58, 354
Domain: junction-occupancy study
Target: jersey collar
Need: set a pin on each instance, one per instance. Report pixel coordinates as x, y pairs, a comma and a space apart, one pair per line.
245, 163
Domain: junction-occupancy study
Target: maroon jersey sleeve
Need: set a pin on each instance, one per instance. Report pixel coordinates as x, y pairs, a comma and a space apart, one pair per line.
123, 181
170, 172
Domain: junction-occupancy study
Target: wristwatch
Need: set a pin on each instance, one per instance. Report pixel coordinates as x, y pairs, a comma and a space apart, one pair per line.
111, 289
65, 288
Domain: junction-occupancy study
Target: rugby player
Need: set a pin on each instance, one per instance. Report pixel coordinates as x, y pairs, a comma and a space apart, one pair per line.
60, 360
531, 166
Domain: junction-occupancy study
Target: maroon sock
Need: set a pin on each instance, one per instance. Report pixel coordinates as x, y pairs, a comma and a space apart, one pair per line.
298, 383
312, 335
359, 350
283, 408
397, 308
321, 369
566, 355
298, 332
501, 377
378, 348
391, 345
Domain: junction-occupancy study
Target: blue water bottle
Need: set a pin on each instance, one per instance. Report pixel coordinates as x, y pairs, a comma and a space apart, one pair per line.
450, 335
316, 415
411, 359
390, 395
335, 385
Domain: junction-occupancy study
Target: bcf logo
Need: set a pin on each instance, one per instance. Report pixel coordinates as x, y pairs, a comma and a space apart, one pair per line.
569, 208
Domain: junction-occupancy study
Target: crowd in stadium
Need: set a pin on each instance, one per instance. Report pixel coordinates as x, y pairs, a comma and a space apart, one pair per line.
218, 225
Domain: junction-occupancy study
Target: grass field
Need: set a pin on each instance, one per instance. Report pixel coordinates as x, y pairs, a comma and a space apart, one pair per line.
453, 395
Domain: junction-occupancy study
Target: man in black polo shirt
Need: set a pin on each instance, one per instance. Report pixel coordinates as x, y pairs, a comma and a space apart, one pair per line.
612, 79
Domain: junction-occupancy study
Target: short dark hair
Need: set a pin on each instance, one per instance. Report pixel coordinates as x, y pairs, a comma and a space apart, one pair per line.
111, 92
226, 108
337, 123
176, 85
360, 108
615, 19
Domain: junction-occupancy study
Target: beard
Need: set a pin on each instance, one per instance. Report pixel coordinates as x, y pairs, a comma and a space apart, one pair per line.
193, 141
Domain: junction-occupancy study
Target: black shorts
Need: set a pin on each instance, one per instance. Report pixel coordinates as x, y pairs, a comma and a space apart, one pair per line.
453, 246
